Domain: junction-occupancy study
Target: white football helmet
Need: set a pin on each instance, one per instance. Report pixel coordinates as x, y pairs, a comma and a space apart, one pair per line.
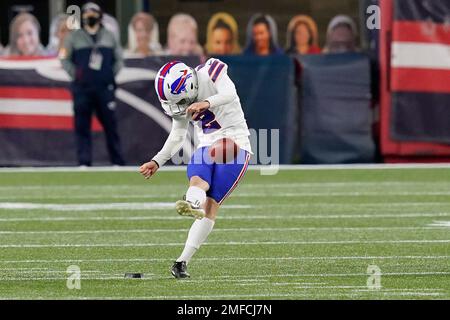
177, 87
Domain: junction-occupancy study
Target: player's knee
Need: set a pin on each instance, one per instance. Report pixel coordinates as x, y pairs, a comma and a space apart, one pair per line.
196, 181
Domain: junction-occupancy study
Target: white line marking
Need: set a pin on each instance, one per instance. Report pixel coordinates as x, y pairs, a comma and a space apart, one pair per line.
332, 184
27, 269
322, 285
88, 196
131, 206
291, 283
324, 193
115, 195
341, 194
55, 278
236, 217
327, 229
147, 260
324, 275
168, 186
445, 224
87, 207
416, 293
230, 296
263, 243
397, 290
31, 271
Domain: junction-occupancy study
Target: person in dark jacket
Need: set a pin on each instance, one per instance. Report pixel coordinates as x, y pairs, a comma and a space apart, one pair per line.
92, 57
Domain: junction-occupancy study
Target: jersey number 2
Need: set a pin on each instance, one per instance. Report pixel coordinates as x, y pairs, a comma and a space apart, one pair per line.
209, 122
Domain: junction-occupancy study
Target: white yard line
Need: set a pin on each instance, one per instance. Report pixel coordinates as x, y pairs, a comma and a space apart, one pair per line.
158, 195
397, 290
341, 194
340, 184
321, 286
440, 224
55, 278
150, 187
126, 231
25, 269
312, 258
352, 205
233, 296
87, 207
236, 217
231, 243
239, 194
99, 206
47, 271
89, 196
258, 280
414, 293
332, 275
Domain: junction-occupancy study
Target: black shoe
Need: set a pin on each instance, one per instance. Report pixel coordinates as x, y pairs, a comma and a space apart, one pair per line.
179, 270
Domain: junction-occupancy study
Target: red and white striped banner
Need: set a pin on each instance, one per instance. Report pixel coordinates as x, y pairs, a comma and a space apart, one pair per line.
34, 101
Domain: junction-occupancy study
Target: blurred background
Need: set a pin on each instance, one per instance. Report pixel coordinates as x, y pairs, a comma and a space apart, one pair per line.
348, 81
202, 10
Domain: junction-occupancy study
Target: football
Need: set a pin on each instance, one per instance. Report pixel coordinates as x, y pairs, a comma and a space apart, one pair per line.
223, 150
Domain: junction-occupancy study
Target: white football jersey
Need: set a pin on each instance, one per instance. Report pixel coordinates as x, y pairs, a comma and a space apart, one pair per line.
221, 119
224, 118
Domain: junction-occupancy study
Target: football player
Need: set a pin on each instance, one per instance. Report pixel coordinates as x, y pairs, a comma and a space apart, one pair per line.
207, 97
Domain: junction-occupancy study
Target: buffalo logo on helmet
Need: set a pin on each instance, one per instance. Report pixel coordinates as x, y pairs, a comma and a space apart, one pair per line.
179, 85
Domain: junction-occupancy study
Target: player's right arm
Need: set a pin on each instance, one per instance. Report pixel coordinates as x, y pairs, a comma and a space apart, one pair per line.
173, 144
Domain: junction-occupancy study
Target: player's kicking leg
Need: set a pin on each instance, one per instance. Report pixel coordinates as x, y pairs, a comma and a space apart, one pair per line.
197, 235
210, 184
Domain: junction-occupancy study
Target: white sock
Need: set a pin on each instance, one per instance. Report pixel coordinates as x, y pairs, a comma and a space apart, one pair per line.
196, 195
197, 235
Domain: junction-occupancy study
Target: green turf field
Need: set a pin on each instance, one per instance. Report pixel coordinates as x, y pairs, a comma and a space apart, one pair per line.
303, 234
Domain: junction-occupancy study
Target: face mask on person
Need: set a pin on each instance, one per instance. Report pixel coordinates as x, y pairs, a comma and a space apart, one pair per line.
91, 21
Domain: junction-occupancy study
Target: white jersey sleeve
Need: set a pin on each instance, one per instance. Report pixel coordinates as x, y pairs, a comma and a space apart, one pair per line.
174, 141
226, 92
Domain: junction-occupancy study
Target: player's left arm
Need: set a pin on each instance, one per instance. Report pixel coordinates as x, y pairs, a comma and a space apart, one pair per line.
226, 92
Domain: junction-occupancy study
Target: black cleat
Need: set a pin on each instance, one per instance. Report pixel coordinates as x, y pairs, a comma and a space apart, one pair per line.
179, 270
